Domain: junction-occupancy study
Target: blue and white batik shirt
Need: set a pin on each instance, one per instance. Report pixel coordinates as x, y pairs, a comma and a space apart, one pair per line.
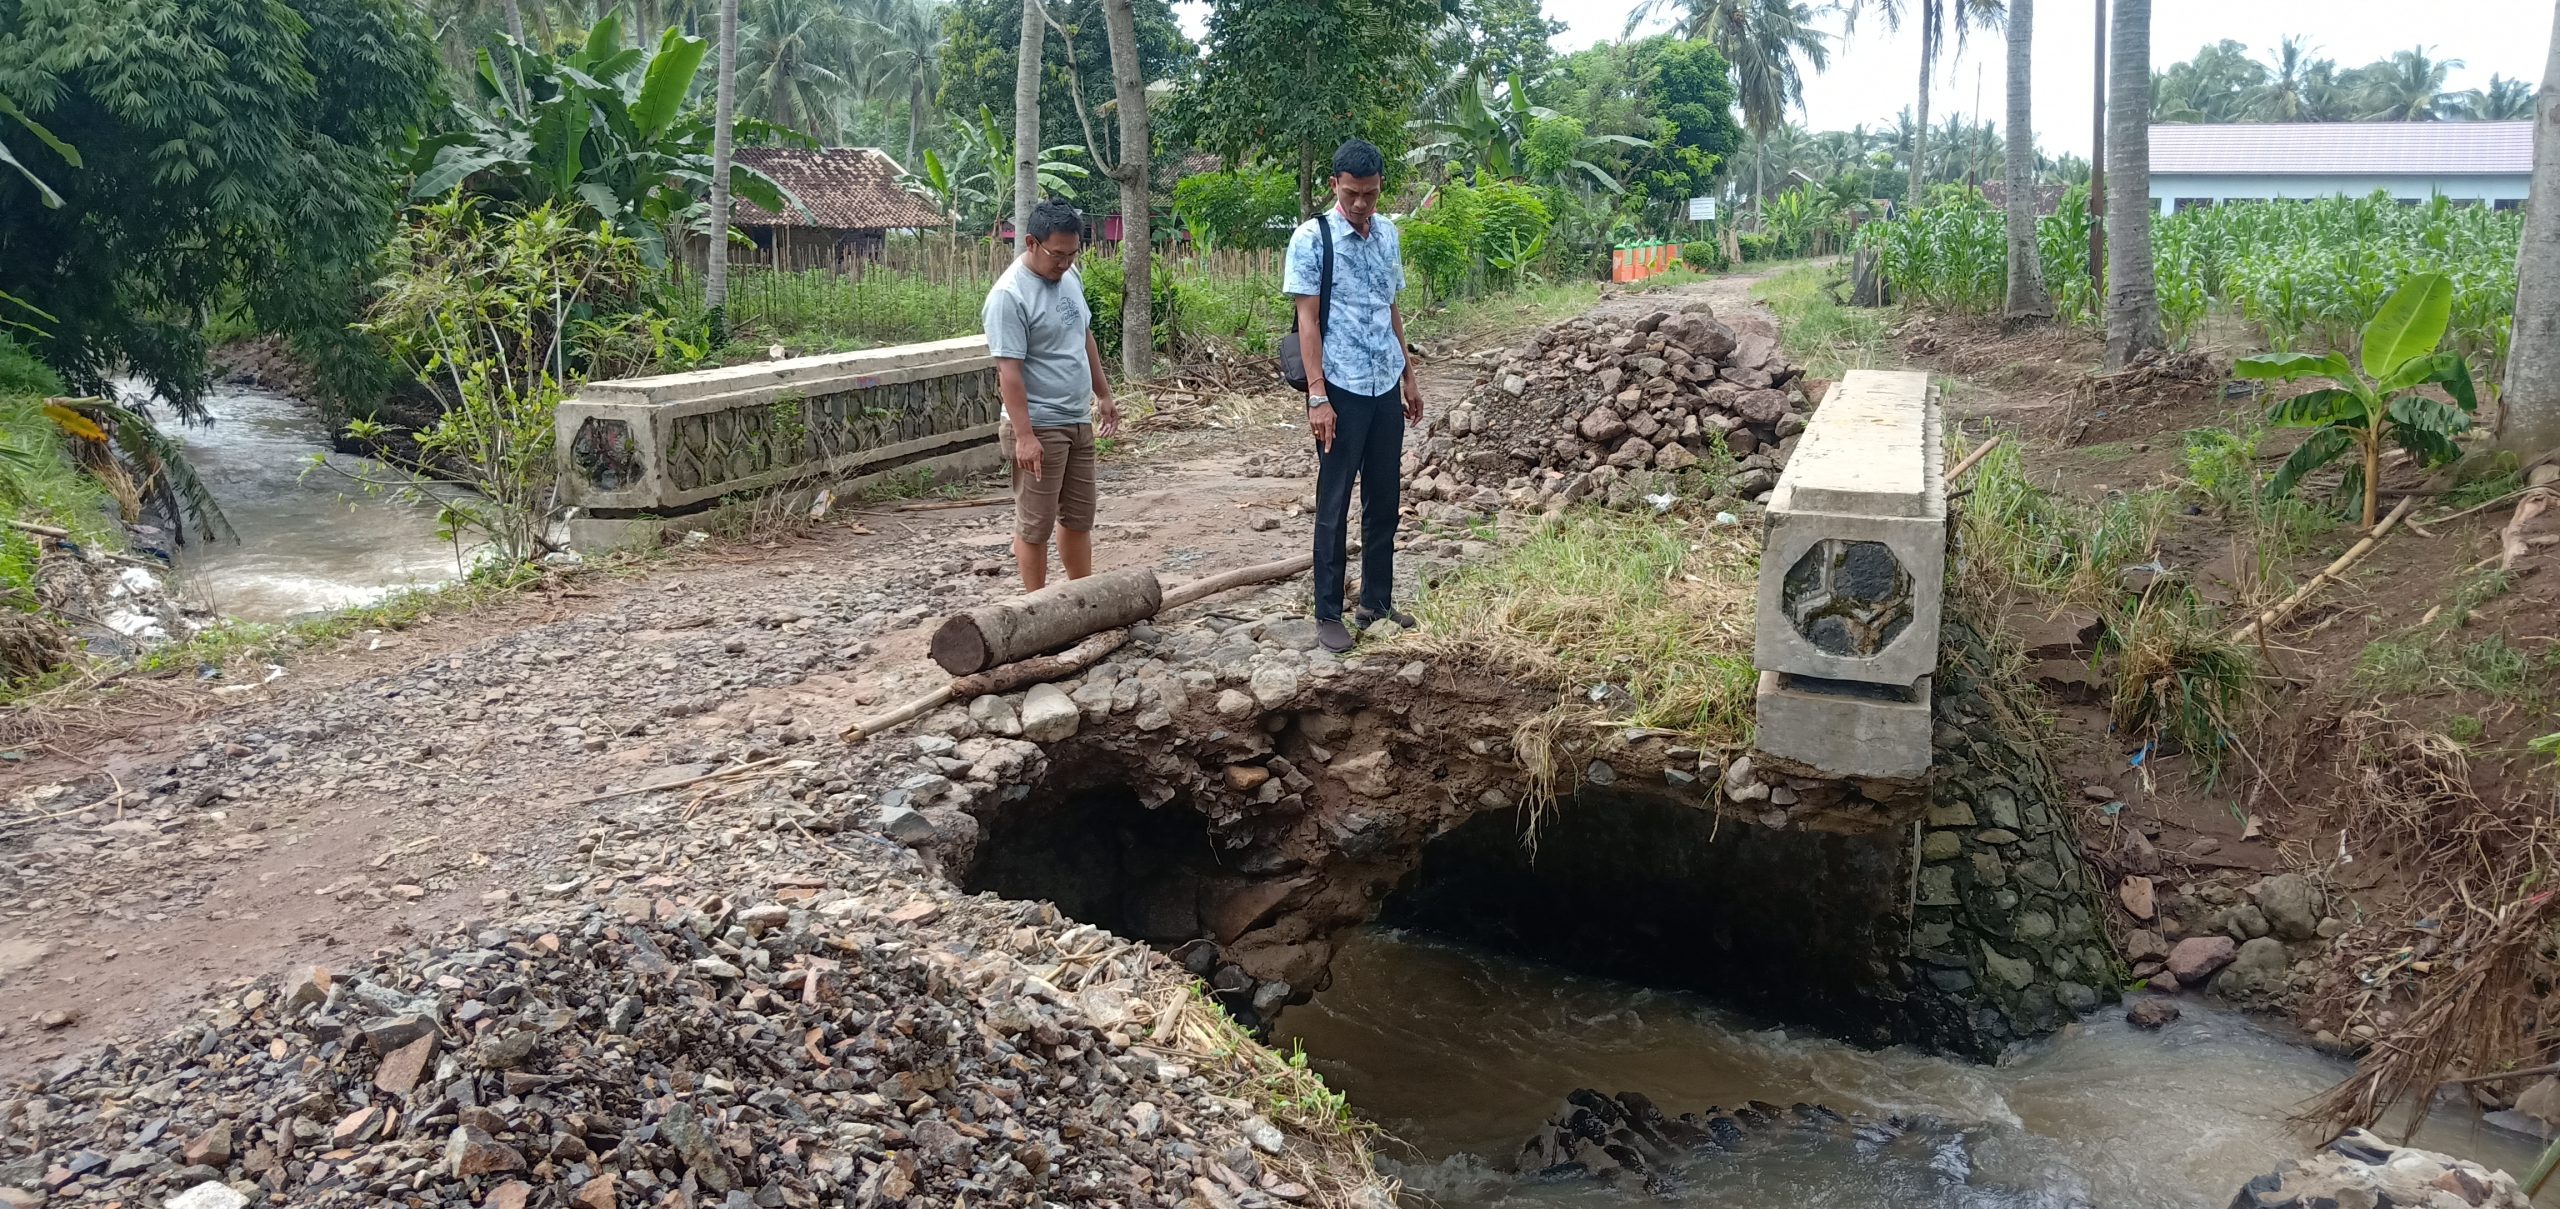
1361, 352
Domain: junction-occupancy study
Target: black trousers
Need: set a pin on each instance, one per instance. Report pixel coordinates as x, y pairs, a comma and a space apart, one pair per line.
1368, 445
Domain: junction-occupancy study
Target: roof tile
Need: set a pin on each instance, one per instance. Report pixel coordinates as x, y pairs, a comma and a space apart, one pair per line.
2344, 148
840, 187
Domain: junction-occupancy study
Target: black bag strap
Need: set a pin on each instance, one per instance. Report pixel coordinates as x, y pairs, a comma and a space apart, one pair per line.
1324, 278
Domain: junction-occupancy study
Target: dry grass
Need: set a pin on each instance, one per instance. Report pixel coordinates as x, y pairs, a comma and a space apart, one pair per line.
1329, 1146
2471, 947
1634, 620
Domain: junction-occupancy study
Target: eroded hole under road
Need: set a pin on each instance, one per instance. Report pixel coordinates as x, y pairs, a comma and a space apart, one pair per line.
1796, 927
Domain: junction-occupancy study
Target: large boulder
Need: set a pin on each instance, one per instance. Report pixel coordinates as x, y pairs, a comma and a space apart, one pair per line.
2255, 975
2291, 905
2197, 959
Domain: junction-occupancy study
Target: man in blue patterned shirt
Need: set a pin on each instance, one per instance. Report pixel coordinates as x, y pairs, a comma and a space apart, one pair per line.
1360, 388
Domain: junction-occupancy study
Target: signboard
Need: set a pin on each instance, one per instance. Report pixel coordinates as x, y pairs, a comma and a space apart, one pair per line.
1702, 209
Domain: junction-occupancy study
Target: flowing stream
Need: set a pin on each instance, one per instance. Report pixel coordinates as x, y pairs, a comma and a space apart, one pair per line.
1464, 1053
308, 542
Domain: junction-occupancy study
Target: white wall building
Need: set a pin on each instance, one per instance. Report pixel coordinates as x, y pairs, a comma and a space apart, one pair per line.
2490, 163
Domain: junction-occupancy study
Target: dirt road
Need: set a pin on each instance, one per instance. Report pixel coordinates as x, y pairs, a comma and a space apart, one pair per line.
407, 781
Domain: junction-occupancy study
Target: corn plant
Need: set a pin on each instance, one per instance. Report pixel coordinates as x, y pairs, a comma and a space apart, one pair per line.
2360, 411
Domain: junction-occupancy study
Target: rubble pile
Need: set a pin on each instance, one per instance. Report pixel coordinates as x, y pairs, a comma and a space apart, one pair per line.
1600, 409
882, 1042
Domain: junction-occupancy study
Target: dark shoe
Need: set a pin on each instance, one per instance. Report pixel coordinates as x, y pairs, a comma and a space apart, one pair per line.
1334, 636
1402, 619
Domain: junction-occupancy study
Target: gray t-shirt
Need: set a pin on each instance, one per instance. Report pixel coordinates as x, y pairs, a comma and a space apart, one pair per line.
1042, 324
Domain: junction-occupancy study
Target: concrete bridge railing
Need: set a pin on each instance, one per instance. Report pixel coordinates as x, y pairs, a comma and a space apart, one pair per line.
637, 451
1852, 581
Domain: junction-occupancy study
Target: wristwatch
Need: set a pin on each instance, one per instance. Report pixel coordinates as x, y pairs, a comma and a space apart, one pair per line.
1316, 401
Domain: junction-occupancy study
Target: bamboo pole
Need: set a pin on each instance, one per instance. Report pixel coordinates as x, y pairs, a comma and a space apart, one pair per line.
1980, 452
2275, 616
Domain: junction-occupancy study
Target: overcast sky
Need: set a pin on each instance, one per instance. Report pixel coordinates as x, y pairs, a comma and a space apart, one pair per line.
1872, 74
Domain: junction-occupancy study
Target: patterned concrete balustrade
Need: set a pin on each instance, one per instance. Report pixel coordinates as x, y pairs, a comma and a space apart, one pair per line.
637, 451
1851, 583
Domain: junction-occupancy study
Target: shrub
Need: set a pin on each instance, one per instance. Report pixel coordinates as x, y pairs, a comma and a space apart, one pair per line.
1250, 209
1105, 290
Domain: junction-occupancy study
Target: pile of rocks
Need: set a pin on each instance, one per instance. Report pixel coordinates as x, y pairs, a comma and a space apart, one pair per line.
849, 1038
1608, 410
2362, 1169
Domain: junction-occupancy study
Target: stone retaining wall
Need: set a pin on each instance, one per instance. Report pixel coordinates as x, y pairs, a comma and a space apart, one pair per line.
2005, 941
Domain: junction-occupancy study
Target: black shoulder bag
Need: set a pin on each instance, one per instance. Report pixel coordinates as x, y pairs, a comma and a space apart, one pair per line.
1293, 358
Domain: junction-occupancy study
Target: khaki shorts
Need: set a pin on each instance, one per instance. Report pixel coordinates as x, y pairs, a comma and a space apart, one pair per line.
1064, 495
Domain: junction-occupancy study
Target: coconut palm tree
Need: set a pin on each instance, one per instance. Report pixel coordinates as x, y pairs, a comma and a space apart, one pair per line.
1764, 41
788, 61
908, 41
2133, 297
1938, 20
2407, 87
2504, 100
2293, 81
2026, 301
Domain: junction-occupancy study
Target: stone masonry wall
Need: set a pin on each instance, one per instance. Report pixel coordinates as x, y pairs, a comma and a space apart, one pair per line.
2005, 940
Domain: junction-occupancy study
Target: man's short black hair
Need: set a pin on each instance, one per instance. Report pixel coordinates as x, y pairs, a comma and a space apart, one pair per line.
1050, 217
1358, 158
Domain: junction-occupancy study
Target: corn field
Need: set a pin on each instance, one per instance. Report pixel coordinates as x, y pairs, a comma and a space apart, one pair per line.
2306, 273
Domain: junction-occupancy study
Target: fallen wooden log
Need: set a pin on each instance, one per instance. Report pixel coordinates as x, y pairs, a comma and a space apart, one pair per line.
1980, 452
1040, 669
1008, 631
1077, 658
1211, 585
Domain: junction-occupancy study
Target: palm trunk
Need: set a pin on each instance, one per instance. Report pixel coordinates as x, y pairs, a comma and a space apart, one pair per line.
2028, 302
515, 20
2529, 407
1920, 128
915, 119
1026, 124
2098, 162
782, 110
1759, 176
724, 114
2133, 299
1137, 235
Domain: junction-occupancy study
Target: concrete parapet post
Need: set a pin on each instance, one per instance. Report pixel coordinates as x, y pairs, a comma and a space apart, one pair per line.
676, 444
1852, 583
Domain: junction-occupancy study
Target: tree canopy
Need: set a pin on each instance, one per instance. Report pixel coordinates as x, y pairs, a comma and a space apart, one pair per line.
981, 37
1287, 80
1676, 94
222, 141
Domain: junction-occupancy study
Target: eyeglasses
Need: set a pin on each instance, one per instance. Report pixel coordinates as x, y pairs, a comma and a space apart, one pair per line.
1066, 257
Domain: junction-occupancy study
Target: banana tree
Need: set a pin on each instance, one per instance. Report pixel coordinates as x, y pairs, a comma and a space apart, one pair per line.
2361, 411
983, 156
44, 192
1477, 123
604, 128
956, 187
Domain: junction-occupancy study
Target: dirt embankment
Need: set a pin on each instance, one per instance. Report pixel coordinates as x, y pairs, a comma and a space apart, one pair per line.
2376, 748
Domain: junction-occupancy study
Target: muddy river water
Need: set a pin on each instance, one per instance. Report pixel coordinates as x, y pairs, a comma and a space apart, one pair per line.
1462, 1053
309, 540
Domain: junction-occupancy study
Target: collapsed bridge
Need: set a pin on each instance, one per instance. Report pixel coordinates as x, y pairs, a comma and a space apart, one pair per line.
1891, 860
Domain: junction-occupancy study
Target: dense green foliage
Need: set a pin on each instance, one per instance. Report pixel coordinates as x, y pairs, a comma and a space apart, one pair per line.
982, 37
1287, 80
286, 196
1246, 208
1676, 96
503, 312
2312, 271
605, 130
2223, 82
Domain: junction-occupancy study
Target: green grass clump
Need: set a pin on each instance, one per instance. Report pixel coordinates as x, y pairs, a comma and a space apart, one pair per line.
1657, 607
1829, 337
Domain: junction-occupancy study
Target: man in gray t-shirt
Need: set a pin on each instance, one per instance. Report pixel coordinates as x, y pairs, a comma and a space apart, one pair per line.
1050, 373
